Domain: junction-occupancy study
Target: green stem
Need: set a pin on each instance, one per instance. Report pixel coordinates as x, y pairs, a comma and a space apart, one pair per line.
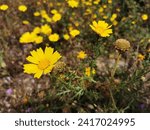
113, 100
111, 81
115, 66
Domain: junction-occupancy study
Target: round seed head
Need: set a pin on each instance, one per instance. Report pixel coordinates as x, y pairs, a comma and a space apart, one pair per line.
122, 44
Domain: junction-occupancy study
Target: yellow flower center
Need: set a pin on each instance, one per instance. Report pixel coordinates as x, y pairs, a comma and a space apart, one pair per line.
43, 64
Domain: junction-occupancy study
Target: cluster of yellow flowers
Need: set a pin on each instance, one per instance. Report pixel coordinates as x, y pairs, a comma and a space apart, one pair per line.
72, 34
100, 27
34, 36
73, 3
113, 19
21, 8
89, 72
41, 66
56, 16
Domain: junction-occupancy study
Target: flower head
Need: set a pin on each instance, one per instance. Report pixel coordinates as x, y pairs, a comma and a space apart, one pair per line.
3, 7
89, 71
46, 29
141, 57
74, 32
144, 17
27, 37
66, 36
54, 37
41, 62
36, 14
101, 28
122, 44
22, 8
81, 55
26, 22
56, 17
9, 91
73, 3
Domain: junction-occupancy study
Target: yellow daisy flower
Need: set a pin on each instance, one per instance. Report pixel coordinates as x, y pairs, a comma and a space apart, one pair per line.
73, 3
74, 33
56, 17
144, 17
101, 28
41, 62
27, 37
66, 36
81, 55
89, 71
3, 7
54, 37
46, 29
26, 22
22, 8
141, 57
36, 14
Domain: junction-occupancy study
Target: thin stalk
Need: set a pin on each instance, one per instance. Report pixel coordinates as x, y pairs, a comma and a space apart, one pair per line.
115, 66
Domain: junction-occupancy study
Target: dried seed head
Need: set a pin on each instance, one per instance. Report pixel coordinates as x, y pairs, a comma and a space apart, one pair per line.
122, 44
59, 66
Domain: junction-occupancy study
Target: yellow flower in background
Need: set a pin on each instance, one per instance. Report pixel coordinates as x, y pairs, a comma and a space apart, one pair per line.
42, 62
25, 22
54, 11
56, 17
113, 17
3, 7
89, 71
93, 71
133, 22
66, 36
74, 32
37, 30
104, 6
144, 17
141, 57
73, 3
36, 14
32, 37
38, 39
115, 22
46, 29
54, 37
44, 15
105, 17
102, 28
101, 9
109, 1
96, 2
118, 10
22, 8
27, 37
81, 55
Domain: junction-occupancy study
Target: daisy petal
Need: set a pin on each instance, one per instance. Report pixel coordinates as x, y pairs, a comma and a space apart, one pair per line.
30, 68
55, 57
32, 59
48, 52
38, 74
48, 69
